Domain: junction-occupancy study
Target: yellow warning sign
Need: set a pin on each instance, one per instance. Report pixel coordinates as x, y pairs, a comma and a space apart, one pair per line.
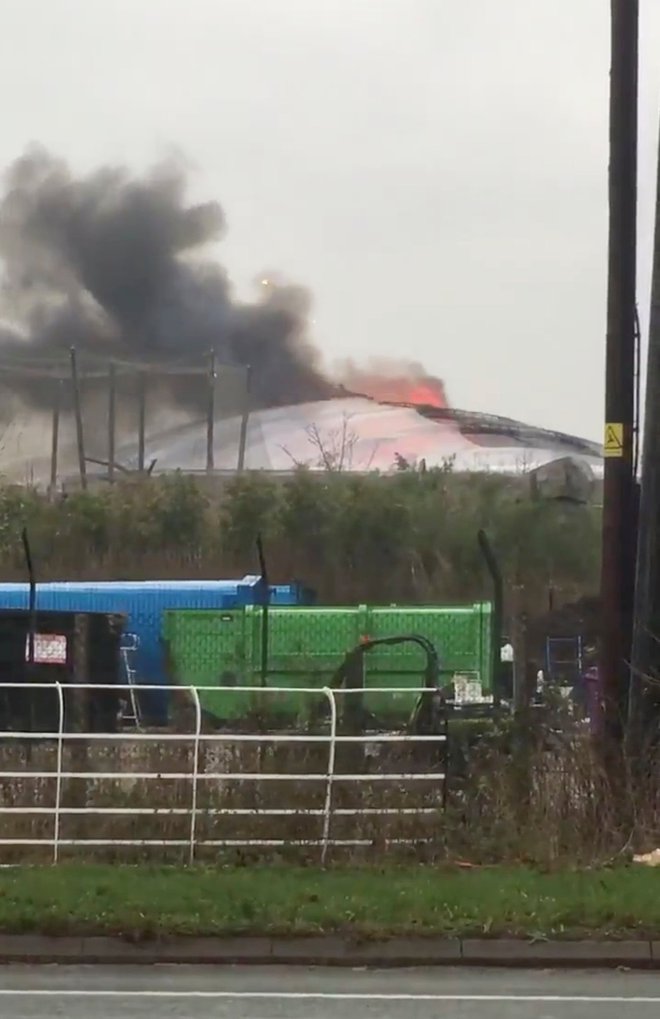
613, 440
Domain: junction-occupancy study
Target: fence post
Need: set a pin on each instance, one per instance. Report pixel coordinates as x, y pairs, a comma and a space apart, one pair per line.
142, 418
80, 431
77, 703
112, 415
58, 780
195, 774
210, 416
327, 809
55, 439
496, 618
245, 418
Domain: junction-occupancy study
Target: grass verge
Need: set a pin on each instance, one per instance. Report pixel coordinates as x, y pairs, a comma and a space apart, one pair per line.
144, 902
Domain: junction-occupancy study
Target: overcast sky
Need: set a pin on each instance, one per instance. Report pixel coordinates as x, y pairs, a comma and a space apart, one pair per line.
434, 170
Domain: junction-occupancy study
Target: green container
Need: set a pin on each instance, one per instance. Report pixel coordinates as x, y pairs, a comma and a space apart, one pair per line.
306, 646
461, 636
210, 648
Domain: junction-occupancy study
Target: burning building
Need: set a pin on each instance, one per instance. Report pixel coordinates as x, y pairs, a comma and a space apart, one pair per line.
118, 268
355, 433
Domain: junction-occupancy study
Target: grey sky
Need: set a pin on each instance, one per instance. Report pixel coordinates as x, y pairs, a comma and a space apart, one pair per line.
434, 170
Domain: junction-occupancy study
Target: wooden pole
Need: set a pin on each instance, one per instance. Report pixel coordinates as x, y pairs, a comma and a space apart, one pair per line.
644, 698
619, 496
80, 436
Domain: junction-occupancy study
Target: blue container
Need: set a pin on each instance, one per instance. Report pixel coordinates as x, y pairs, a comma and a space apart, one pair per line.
143, 603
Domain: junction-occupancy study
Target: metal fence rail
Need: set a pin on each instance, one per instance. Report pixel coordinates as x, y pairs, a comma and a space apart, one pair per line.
198, 777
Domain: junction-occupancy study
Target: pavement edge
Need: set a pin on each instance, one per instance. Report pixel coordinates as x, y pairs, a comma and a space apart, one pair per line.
330, 951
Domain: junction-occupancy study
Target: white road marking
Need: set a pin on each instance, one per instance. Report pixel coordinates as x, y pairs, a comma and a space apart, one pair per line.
579, 999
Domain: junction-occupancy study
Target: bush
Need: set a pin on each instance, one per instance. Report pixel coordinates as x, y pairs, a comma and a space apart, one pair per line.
410, 537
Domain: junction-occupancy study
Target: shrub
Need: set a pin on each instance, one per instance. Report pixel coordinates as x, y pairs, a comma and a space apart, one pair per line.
408, 537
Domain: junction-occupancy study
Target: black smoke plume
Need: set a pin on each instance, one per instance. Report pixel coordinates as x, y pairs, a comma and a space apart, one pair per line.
115, 266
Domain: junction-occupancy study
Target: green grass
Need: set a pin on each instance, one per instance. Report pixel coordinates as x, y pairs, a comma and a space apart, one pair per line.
143, 902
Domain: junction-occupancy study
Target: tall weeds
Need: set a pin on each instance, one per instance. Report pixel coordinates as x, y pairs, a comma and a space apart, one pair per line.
411, 537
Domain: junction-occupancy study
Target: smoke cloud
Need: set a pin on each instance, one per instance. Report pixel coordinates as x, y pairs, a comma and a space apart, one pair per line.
118, 267
115, 266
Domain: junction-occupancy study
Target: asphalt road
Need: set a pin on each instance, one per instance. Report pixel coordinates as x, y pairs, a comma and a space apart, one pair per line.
182, 992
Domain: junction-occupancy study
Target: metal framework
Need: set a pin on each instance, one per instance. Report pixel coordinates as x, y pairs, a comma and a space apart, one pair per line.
59, 383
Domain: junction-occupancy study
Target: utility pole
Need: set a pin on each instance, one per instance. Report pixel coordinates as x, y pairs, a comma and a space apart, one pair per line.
619, 499
644, 701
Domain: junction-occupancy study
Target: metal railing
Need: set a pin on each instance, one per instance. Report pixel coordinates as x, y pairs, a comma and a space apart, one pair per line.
201, 775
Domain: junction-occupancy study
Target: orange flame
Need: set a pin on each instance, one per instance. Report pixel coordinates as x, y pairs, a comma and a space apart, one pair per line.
392, 382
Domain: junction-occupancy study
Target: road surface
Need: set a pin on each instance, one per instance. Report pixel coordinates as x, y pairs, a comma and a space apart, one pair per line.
184, 992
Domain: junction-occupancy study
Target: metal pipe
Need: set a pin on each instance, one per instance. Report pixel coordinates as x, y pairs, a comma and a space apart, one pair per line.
638, 396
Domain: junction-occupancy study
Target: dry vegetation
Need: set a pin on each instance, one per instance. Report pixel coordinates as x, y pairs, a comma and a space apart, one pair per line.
411, 537
532, 793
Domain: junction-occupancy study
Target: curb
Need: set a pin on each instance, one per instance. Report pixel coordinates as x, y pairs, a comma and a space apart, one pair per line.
330, 951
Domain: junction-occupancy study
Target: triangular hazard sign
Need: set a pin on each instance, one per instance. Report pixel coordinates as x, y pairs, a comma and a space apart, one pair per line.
613, 440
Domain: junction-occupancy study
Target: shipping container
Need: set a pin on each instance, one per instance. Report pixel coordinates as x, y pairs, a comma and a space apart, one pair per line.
143, 604
69, 648
306, 645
